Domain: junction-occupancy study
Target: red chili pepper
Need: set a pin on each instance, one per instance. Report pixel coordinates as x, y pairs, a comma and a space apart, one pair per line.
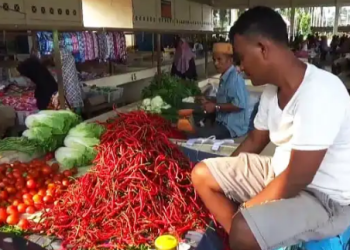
138, 189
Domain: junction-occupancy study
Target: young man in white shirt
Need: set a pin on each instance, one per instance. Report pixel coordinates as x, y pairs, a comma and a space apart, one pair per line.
302, 193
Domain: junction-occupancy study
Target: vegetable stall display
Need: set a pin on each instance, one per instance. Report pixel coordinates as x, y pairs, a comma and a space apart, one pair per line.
45, 132
167, 92
80, 143
138, 189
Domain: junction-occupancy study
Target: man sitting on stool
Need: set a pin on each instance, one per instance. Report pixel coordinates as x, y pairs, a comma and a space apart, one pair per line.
230, 106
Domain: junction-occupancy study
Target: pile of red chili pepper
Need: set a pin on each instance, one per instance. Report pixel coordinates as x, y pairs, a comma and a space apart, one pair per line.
139, 189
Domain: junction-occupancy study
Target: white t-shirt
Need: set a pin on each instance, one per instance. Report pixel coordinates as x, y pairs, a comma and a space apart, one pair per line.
317, 117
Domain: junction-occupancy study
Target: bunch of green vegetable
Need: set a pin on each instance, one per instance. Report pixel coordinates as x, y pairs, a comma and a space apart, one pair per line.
46, 132
19, 144
48, 128
154, 105
80, 143
171, 89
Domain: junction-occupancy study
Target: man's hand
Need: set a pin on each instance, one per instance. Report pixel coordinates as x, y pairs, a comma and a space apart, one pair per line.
209, 107
255, 142
200, 99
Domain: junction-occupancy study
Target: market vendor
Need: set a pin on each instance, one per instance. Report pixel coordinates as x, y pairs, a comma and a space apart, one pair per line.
302, 193
45, 84
230, 107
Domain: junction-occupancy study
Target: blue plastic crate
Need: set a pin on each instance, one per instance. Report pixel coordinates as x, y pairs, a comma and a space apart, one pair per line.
211, 240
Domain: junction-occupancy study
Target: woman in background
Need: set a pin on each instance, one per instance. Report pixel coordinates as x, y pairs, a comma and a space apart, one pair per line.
184, 65
45, 84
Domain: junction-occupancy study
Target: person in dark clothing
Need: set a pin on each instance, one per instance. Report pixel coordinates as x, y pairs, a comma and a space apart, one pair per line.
184, 65
45, 83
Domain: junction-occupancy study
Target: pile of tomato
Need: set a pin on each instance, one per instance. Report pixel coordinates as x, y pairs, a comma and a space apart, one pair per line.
26, 188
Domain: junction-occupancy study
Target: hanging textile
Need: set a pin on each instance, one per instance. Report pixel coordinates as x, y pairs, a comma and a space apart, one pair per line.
72, 86
86, 46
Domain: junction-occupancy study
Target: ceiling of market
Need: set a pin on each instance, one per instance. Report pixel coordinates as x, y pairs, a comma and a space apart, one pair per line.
232, 4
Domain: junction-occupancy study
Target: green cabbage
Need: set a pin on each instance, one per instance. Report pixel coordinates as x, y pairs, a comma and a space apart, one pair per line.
59, 121
80, 142
73, 157
38, 133
84, 129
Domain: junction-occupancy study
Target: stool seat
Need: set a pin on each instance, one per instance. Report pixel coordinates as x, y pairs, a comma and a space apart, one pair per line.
339, 242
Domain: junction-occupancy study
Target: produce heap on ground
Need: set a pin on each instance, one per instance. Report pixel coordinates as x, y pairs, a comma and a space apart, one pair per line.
137, 189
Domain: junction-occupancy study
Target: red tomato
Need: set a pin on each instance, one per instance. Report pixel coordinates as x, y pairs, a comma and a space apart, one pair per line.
28, 202
37, 199
10, 199
32, 192
23, 223
34, 173
51, 186
65, 182
46, 170
49, 156
3, 168
48, 199
9, 176
2, 184
17, 174
3, 195
31, 184
16, 202
22, 208
67, 173
42, 192
50, 192
55, 167
3, 215
58, 178
12, 209
27, 196
30, 210
11, 190
38, 206
18, 196
12, 219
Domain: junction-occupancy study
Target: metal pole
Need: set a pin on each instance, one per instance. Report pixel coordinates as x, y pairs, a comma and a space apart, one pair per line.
152, 50
336, 18
159, 54
292, 22
58, 65
206, 56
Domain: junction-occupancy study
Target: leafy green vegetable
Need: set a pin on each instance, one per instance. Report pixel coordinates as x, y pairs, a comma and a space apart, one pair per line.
44, 138
20, 144
172, 89
40, 134
59, 121
85, 129
80, 142
74, 157
12, 230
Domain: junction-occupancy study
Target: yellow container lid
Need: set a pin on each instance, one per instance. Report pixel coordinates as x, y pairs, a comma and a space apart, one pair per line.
166, 242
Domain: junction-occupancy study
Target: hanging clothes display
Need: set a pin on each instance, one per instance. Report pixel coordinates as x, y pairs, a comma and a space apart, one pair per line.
87, 45
72, 86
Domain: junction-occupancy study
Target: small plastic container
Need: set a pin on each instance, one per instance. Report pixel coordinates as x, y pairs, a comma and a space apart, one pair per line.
166, 242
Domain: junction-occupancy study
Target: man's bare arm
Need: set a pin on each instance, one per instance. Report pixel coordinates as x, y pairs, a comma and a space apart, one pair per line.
300, 172
255, 143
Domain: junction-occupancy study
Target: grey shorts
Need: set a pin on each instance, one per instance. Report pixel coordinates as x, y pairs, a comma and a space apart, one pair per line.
309, 216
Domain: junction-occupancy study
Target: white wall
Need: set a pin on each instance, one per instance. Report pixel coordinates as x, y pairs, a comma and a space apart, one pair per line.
107, 13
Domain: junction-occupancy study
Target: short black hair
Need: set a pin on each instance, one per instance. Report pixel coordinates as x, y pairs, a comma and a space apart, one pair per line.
261, 20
